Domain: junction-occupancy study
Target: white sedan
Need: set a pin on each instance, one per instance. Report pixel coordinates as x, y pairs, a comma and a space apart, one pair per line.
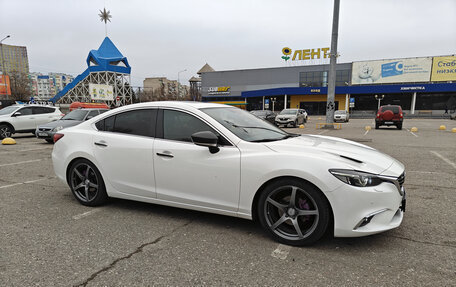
221, 159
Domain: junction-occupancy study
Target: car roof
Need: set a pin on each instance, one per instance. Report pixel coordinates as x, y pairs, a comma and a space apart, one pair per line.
177, 104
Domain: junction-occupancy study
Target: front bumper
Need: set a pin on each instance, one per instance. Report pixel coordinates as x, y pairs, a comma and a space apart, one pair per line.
284, 121
44, 134
367, 210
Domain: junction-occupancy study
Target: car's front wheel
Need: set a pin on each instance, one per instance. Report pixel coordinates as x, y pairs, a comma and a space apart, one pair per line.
5, 131
86, 183
293, 212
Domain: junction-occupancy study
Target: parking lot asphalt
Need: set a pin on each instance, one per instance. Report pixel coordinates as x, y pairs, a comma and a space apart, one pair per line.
48, 239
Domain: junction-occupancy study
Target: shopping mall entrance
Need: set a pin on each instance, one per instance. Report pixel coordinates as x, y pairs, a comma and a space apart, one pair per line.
316, 108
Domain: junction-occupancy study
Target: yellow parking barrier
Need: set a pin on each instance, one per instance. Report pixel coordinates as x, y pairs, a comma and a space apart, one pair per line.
301, 126
442, 128
8, 141
414, 129
453, 130
337, 126
367, 128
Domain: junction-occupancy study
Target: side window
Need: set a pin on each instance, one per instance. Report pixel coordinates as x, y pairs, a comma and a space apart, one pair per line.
180, 126
42, 110
25, 111
139, 122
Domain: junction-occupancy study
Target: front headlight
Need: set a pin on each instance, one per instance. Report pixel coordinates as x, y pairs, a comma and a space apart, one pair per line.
56, 129
356, 178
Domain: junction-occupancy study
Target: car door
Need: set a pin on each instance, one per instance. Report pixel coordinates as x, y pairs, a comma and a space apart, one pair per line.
191, 174
25, 121
123, 147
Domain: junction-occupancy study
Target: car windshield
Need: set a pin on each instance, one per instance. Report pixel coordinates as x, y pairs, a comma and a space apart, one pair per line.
8, 110
288, 112
77, 115
246, 126
339, 112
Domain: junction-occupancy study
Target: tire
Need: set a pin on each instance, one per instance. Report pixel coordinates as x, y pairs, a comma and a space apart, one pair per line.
50, 141
5, 131
297, 222
295, 124
86, 183
377, 126
399, 126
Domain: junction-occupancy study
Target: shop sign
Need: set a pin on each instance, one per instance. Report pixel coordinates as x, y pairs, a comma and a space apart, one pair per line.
392, 71
5, 87
218, 90
305, 54
419, 88
315, 90
443, 69
101, 92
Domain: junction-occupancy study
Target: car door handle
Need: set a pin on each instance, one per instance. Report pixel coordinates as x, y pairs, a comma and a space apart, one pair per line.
165, 154
102, 143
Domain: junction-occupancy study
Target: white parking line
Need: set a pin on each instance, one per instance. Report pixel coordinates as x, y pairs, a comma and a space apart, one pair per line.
444, 159
25, 182
366, 132
281, 252
24, 150
412, 133
21, 162
85, 214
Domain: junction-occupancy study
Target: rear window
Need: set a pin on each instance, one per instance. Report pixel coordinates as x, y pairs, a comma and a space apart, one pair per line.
392, 108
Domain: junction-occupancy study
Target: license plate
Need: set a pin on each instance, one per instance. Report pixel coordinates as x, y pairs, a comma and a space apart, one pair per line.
43, 134
389, 123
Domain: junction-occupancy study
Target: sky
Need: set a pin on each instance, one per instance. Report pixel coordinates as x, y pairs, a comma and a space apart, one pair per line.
163, 38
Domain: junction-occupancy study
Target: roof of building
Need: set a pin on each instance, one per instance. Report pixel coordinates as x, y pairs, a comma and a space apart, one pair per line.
206, 68
195, 79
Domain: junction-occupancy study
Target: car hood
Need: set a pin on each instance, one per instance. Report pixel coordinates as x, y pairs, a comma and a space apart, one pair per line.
61, 123
286, 116
346, 154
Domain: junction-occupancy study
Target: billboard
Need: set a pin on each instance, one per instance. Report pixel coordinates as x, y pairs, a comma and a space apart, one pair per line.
443, 69
5, 86
392, 71
101, 92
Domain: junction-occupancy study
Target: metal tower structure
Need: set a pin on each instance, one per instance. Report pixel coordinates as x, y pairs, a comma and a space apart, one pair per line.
106, 66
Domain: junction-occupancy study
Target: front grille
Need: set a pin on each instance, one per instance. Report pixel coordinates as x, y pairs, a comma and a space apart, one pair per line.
44, 129
401, 179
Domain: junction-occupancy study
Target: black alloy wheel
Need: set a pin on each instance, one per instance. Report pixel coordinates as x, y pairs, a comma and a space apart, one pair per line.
293, 212
86, 183
5, 131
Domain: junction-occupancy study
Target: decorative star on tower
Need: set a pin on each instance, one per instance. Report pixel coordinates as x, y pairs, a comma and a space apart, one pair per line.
105, 16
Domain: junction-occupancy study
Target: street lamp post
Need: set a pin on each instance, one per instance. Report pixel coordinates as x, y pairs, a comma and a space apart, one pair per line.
178, 77
3, 65
379, 98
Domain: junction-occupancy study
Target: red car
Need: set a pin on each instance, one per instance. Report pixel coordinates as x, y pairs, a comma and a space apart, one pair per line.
390, 115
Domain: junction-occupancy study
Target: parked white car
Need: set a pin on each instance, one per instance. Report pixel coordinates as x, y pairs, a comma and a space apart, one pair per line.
25, 118
292, 117
221, 159
341, 116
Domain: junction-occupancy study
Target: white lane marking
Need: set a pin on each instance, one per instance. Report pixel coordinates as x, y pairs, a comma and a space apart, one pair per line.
85, 214
21, 162
24, 150
25, 182
412, 133
420, 171
366, 132
322, 132
444, 159
281, 252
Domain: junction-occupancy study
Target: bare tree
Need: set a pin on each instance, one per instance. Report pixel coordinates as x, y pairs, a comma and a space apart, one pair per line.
20, 86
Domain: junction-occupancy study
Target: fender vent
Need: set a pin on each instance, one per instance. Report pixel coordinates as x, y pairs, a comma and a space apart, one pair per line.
352, 159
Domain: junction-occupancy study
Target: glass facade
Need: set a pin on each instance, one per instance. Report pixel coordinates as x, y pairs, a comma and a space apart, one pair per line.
320, 78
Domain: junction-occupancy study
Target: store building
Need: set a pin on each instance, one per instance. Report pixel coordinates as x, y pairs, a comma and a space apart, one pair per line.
420, 85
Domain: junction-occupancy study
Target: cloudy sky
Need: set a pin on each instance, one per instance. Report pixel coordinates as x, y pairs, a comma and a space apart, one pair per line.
161, 38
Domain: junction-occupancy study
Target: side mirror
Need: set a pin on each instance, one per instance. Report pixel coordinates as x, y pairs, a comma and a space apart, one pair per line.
88, 118
207, 139
16, 114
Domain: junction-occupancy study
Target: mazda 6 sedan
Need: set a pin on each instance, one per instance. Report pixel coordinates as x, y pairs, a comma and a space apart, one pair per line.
221, 159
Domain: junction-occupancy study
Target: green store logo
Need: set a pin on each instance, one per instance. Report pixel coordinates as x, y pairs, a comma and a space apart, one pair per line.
286, 51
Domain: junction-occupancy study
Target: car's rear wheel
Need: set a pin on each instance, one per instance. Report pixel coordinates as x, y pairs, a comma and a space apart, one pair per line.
86, 183
5, 131
295, 124
399, 126
377, 126
293, 212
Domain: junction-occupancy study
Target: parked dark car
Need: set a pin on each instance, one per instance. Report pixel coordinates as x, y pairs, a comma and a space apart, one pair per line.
453, 116
266, 115
389, 115
71, 119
